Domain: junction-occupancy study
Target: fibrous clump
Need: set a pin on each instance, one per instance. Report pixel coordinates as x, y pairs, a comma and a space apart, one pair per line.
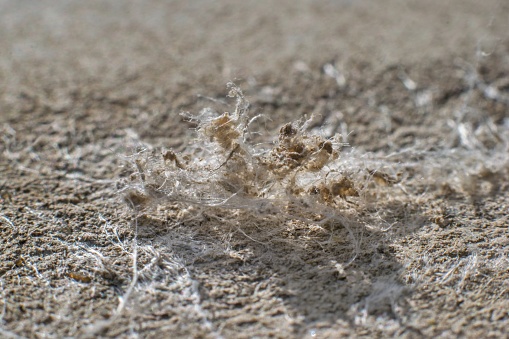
299, 175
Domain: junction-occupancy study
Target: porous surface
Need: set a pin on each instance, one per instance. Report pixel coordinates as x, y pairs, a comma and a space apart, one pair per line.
419, 90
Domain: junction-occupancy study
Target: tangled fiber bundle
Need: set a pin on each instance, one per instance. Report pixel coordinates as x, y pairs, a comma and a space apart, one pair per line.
302, 176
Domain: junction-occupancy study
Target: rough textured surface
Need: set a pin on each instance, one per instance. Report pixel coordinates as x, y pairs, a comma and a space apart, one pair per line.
85, 83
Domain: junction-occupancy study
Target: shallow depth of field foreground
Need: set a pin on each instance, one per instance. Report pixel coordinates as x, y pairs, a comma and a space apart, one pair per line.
223, 169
